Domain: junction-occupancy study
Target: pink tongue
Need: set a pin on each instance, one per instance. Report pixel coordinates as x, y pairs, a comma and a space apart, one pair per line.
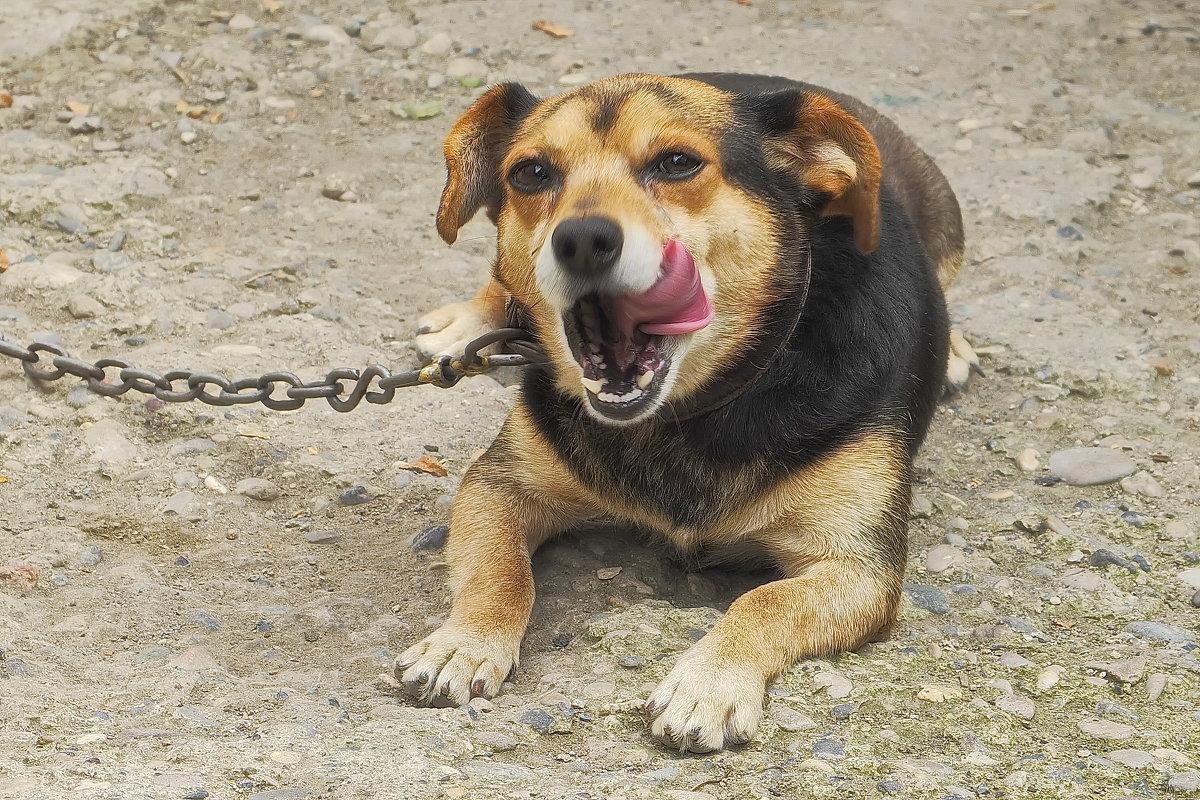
676, 304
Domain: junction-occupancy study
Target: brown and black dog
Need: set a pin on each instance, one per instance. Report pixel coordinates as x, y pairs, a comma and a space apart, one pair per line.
738, 284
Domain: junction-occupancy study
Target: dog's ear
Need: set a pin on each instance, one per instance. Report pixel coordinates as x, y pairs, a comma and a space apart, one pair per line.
832, 153
474, 149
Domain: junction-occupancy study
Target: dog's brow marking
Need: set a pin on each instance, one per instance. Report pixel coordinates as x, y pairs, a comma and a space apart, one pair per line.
605, 116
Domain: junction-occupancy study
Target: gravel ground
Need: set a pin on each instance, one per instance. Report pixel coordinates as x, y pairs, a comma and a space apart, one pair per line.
197, 602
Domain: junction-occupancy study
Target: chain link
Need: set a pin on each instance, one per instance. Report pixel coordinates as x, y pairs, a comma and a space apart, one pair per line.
343, 388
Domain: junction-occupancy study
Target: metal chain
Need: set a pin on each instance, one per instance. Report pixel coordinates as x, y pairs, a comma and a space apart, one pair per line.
280, 391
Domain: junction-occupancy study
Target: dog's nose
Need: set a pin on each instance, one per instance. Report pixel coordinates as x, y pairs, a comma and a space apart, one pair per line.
587, 246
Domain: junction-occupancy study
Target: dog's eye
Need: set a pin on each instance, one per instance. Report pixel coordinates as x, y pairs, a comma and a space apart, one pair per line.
530, 176
678, 165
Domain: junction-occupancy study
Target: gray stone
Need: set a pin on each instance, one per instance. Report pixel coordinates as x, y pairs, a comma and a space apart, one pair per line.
843, 711
80, 306
430, 538
1019, 706
942, 557
354, 496
321, 537
504, 772
439, 44
91, 556
107, 261
396, 37
1090, 466
191, 447
180, 503
1196, 599
1125, 670
829, 749
1184, 781
1161, 632
631, 662
1144, 484
257, 489
186, 479
327, 34
108, 442
1149, 171
218, 319
789, 719
205, 620
891, 786
929, 598
495, 741
1137, 759
1106, 729
538, 719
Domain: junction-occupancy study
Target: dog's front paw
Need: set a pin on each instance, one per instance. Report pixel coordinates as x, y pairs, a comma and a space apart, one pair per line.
702, 706
961, 362
447, 330
452, 665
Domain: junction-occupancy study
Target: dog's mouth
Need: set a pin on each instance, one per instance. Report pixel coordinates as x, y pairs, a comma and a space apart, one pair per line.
623, 375
624, 343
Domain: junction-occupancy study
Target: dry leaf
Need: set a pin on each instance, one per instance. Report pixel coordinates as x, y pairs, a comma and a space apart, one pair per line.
271, 6
312, 451
216, 117
3, 267
427, 463
182, 106
6, 100
3, 478
253, 433
23, 578
553, 29
608, 573
744, 2
196, 112
77, 108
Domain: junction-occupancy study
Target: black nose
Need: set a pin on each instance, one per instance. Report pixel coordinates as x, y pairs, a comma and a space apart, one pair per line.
587, 246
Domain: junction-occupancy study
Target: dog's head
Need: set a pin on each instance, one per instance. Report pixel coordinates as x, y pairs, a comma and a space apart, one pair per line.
651, 225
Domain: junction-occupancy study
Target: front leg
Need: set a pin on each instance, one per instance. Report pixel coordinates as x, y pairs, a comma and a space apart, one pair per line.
840, 541
512, 499
713, 697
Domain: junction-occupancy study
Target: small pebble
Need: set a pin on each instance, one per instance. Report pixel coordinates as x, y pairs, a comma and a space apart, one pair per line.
536, 718
203, 619
91, 556
789, 719
1161, 632
430, 538
354, 496
829, 749
1019, 706
496, 741
321, 537
1090, 466
929, 598
188, 137
843, 711
631, 662
257, 489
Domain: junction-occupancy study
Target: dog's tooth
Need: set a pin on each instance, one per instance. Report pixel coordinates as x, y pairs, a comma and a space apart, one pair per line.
645, 378
593, 386
597, 359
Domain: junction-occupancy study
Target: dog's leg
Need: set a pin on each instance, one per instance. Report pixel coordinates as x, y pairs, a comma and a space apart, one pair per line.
447, 330
510, 502
960, 363
714, 696
840, 541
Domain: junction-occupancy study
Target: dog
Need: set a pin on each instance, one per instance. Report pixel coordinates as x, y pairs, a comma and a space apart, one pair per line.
738, 285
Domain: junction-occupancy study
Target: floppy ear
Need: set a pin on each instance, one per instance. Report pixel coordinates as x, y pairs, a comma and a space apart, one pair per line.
832, 153
474, 150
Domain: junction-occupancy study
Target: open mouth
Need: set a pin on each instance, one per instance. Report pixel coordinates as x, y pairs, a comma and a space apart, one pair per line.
623, 370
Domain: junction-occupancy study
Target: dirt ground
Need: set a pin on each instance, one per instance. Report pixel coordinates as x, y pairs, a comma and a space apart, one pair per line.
164, 633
